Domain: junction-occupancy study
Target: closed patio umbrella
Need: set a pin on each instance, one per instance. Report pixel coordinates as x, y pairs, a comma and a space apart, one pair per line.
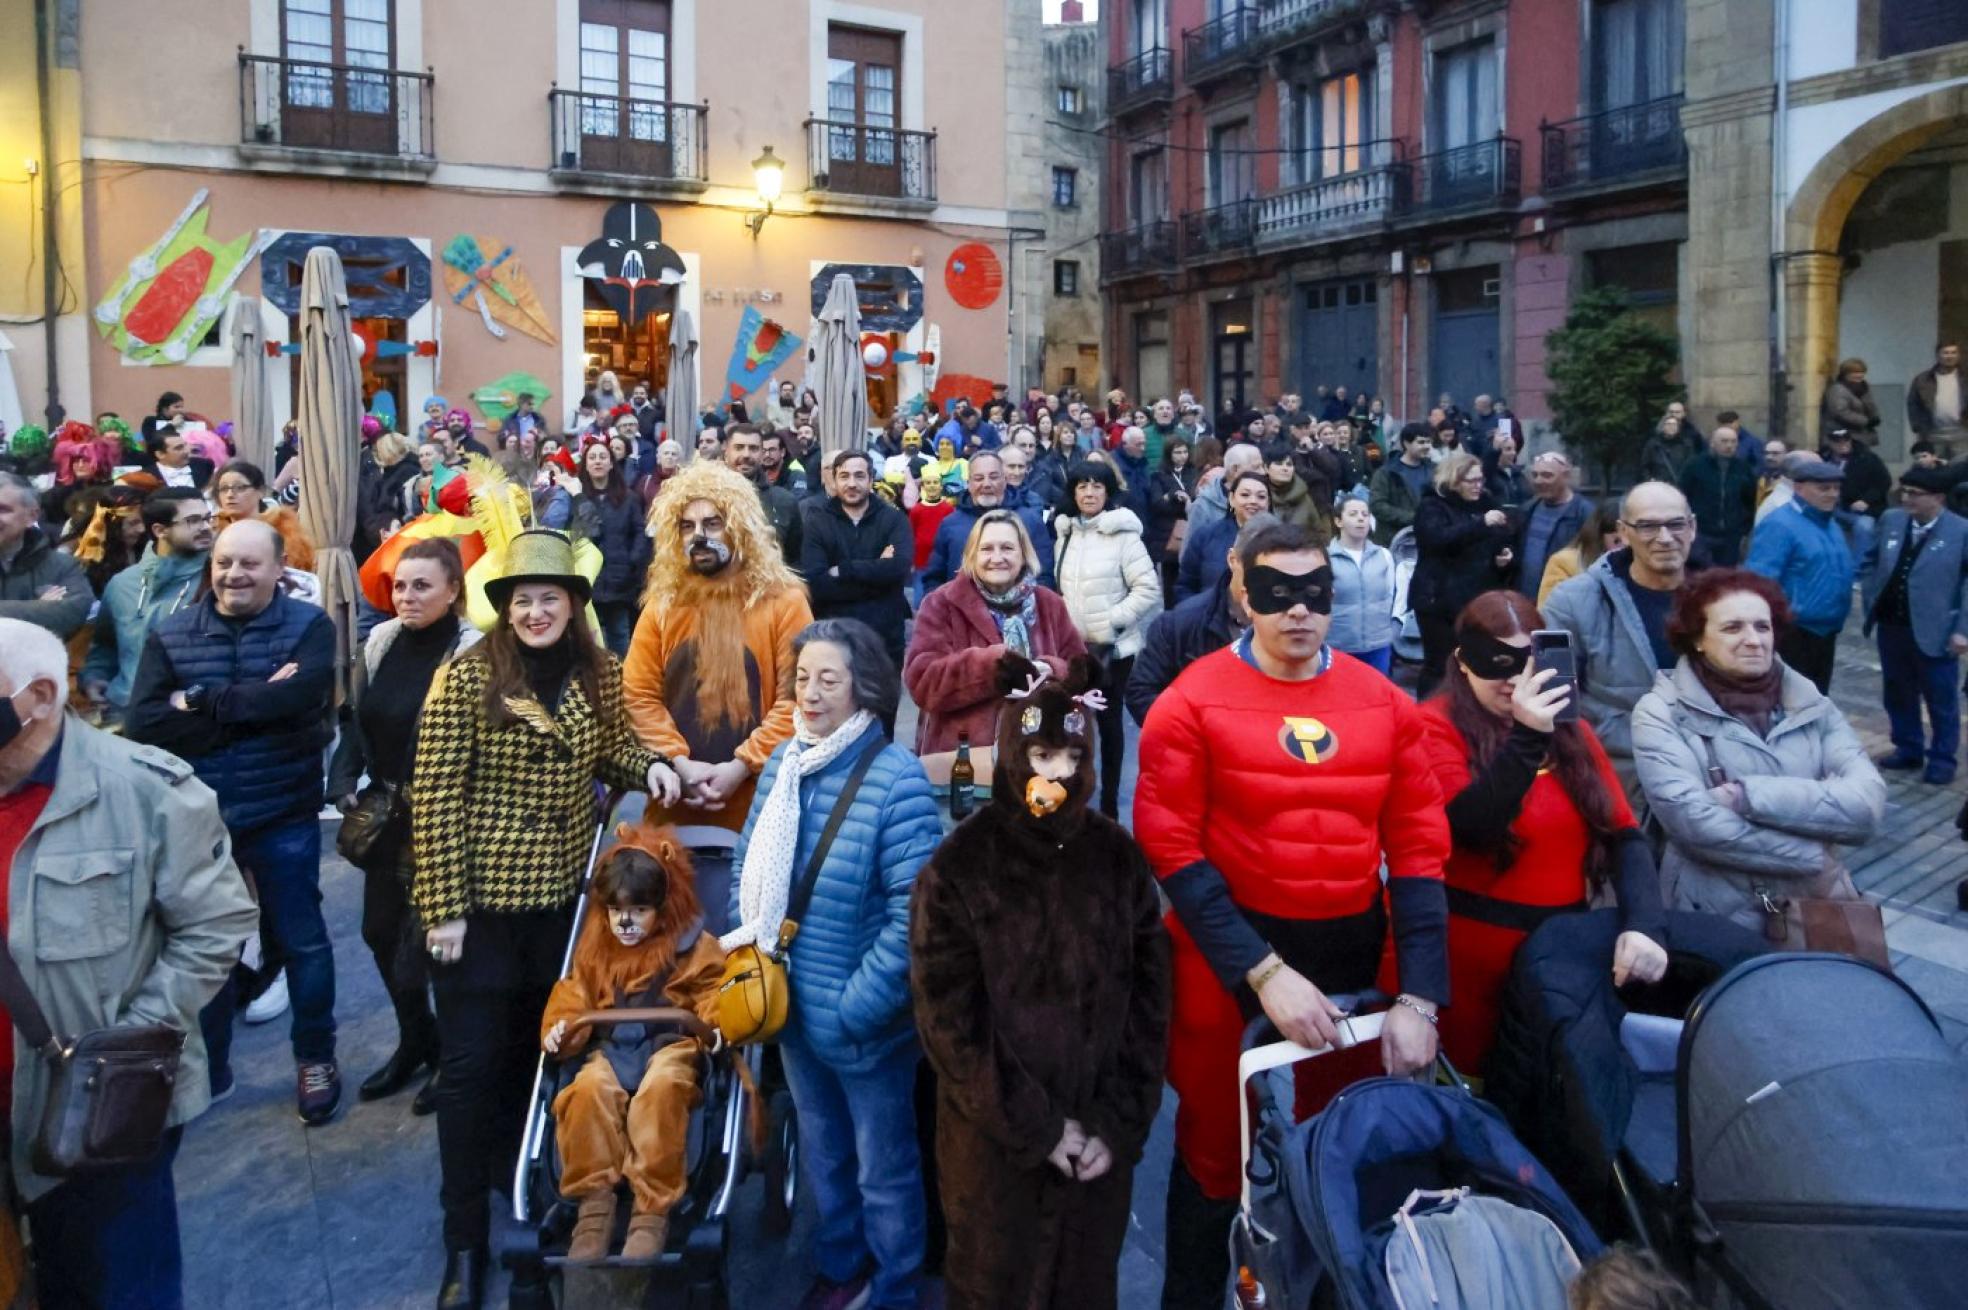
681, 406
840, 380
330, 421
252, 395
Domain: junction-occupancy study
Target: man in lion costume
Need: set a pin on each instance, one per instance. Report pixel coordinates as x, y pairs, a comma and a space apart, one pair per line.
709, 678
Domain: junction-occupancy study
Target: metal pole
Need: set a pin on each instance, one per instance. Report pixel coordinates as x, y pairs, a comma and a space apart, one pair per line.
1779, 182
50, 243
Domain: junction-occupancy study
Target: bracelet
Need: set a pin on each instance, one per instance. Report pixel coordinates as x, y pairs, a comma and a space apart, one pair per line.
1270, 972
1413, 1004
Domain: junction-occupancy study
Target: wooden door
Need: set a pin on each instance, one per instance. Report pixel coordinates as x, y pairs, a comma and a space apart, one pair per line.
625, 87
864, 79
346, 106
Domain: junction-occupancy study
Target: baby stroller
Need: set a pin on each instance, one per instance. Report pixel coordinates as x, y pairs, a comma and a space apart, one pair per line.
1331, 1207
1407, 635
1823, 1139
691, 1272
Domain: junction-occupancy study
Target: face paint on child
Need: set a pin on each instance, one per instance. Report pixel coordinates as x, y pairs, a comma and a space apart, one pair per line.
632, 924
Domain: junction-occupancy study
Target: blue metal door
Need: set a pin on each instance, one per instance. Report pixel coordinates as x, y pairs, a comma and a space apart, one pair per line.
1337, 338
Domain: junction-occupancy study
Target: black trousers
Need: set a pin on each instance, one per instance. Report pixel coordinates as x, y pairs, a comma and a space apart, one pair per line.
489, 1005
1113, 734
1437, 647
395, 940
1811, 655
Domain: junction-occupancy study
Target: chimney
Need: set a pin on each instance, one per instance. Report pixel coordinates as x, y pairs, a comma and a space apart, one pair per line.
1072, 11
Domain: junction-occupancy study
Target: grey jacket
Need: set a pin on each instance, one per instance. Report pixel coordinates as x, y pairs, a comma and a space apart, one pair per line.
36, 566
1615, 659
1937, 589
1808, 788
124, 907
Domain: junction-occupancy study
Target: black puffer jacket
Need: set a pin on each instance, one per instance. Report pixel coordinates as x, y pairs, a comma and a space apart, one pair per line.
1165, 507
617, 528
1458, 552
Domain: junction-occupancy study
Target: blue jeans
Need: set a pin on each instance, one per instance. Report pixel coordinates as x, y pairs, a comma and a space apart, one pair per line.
1912, 676
285, 864
109, 1241
858, 1147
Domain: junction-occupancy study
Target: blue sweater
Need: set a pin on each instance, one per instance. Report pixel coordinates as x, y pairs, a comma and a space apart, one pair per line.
1803, 551
850, 960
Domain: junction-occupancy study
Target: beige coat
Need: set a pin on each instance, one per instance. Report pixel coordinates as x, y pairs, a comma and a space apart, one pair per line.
123, 907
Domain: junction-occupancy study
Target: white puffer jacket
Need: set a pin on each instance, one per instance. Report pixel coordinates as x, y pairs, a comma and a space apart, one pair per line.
1109, 583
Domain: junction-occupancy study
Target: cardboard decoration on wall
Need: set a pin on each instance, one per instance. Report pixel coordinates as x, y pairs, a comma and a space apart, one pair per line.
629, 262
888, 296
499, 398
174, 291
762, 346
388, 277
483, 273
973, 276
952, 387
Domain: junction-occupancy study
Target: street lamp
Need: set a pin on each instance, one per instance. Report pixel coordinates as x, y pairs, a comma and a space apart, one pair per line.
770, 172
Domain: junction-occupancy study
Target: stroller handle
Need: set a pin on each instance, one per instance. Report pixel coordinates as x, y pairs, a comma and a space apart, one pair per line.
1262, 1032
668, 1016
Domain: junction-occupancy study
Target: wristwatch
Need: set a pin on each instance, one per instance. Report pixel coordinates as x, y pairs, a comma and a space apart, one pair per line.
195, 697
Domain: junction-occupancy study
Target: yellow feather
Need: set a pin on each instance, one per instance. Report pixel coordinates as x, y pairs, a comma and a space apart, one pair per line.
492, 507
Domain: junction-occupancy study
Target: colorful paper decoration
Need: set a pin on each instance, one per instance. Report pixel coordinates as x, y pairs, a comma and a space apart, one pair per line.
973, 276
952, 387
761, 347
172, 293
889, 296
388, 277
485, 272
369, 347
498, 399
630, 261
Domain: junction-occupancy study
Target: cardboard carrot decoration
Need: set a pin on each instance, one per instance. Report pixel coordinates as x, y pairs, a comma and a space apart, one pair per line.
484, 273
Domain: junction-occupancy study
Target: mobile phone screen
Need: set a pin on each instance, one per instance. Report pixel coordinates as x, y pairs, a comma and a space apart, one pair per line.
1552, 649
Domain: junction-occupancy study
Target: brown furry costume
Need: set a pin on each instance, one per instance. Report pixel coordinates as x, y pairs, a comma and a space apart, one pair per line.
1041, 978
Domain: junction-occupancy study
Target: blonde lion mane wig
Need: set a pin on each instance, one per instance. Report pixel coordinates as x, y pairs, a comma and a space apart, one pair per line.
715, 606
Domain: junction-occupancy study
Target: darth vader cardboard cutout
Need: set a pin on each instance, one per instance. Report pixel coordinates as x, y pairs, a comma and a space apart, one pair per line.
630, 263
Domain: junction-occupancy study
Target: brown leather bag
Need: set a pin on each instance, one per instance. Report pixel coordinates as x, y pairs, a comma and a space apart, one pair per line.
109, 1091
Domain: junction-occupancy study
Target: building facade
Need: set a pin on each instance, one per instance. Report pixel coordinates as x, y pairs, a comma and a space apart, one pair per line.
1828, 201
1074, 162
482, 165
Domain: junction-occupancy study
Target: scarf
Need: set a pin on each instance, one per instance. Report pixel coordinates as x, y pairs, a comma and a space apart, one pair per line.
766, 881
1016, 612
1753, 700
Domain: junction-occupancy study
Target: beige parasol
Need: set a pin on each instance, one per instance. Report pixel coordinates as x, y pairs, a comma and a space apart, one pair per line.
680, 406
840, 380
252, 394
330, 421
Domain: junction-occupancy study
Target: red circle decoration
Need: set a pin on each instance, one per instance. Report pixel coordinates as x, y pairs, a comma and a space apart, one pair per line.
973, 275
959, 386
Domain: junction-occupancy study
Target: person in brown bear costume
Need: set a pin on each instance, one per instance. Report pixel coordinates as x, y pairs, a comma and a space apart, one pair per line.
1041, 979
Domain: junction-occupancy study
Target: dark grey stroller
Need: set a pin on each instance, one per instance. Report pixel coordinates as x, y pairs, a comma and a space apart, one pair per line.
1823, 1139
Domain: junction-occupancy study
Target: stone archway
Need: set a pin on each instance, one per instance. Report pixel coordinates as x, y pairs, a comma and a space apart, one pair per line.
1816, 221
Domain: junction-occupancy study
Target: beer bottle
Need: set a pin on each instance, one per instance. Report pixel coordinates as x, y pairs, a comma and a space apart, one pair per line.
963, 780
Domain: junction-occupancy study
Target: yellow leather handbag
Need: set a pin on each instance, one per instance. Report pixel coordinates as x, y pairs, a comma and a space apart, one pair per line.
755, 997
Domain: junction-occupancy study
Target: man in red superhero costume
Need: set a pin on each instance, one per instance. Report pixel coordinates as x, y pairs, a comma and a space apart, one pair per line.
1275, 774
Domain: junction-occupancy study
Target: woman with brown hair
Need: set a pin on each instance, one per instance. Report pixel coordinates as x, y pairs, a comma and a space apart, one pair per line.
1537, 816
515, 733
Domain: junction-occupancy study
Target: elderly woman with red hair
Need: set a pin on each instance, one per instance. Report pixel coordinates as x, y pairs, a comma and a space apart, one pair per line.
82, 458
1537, 816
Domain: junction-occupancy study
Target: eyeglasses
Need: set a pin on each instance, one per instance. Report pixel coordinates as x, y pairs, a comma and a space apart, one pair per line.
194, 520
235, 488
1648, 529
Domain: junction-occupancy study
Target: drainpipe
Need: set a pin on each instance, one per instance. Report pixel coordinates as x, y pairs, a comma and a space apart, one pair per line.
1779, 178
50, 242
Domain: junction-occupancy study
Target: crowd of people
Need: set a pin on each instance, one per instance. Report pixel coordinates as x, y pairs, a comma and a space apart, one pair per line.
1034, 573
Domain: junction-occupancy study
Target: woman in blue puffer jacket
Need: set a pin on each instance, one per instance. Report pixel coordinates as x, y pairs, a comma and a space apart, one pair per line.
849, 1046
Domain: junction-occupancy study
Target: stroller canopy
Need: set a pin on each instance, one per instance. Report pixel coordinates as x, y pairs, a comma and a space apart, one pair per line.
1824, 1134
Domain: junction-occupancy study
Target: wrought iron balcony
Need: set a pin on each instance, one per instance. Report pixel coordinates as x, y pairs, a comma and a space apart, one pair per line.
1616, 145
884, 163
1339, 203
1287, 22
1221, 45
601, 137
351, 109
1484, 175
1146, 79
1220, 230
1149, 248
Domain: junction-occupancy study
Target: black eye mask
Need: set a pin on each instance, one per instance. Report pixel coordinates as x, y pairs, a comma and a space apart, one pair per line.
1273, 591
1492, 660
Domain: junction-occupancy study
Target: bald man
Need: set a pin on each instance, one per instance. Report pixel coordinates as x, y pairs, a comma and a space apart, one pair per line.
240, 686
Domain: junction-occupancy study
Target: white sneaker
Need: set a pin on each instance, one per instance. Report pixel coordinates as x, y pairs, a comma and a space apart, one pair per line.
271, 1003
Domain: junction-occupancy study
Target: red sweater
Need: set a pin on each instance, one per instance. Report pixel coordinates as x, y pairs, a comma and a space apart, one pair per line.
923, 521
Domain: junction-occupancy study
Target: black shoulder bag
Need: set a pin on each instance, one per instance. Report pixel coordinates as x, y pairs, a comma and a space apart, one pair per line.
109, 1091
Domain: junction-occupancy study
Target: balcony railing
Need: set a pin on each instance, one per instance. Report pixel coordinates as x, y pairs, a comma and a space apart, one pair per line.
1221, 45
1338, 203
1142, 80
1615, 145
1484, 175
304, 104
1149, 248
884, 163
614, 136
1222, 229
1286, 21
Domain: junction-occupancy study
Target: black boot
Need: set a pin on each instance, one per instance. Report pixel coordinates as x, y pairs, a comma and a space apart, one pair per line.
464, 1280
425, 1101
400, 1070
1196, 1243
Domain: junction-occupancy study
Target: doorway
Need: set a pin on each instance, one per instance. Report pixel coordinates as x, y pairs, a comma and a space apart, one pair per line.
329, 98
1463, 347
1338, 337
864, 72
1233, 358
625, 86
638, 353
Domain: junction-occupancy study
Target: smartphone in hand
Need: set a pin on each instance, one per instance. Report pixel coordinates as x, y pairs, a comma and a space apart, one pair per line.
1551, 648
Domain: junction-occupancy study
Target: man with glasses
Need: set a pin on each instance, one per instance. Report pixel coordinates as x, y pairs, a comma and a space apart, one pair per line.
1617, 613
178, 521
1801, 547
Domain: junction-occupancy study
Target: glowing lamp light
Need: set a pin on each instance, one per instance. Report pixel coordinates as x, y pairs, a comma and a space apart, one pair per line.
769, 172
